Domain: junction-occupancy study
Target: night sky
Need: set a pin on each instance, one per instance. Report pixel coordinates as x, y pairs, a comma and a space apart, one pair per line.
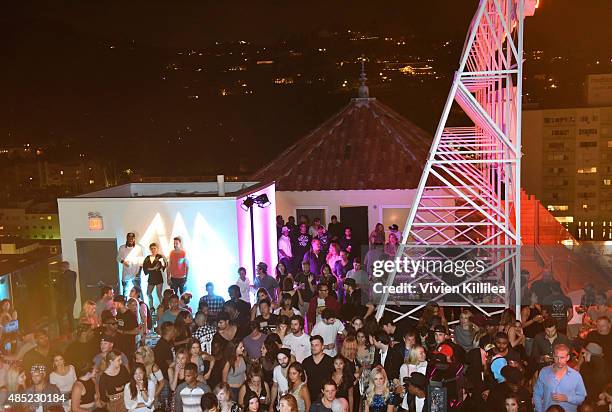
94, 74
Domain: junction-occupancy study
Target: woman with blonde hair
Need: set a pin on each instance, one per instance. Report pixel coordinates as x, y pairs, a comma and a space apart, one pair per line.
145, 355
416, 362
223, 393
88, 314
15, 383
466, 333
378, 397
333, 255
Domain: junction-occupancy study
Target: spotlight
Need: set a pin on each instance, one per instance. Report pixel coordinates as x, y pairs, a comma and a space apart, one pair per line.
248, 203
262, 201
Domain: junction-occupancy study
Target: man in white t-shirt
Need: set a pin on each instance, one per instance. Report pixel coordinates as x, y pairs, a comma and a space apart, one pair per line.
298, 341
284, 248
328, 328
280, 384
244, 284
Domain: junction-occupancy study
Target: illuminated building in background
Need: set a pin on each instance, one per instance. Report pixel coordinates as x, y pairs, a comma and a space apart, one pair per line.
568, 166
29, 221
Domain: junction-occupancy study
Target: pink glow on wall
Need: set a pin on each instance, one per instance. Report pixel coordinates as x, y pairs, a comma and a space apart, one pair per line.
264, 220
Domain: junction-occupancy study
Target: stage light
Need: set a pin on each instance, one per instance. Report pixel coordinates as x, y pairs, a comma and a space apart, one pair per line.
248, 203
262, 200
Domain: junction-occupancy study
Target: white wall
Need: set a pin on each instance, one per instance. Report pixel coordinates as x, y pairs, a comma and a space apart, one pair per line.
332, 200
208, 227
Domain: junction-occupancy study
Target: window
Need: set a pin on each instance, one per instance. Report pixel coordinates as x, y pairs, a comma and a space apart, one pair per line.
557, 208
587, 144
607, 182
556, 170
556, 145
587, 170
587, 132
557, 156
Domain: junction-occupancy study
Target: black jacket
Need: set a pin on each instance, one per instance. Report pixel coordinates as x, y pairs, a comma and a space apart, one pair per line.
393, 362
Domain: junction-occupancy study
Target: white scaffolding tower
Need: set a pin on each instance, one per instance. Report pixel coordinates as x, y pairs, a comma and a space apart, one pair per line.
468, 198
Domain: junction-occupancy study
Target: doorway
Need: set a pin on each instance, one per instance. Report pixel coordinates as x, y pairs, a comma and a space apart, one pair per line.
97, 261
312, 213
356, 217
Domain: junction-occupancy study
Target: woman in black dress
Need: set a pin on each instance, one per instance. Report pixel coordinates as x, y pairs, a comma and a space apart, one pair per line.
153, 266
344, 378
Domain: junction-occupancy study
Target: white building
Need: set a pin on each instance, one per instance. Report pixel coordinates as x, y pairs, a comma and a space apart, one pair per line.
215, 230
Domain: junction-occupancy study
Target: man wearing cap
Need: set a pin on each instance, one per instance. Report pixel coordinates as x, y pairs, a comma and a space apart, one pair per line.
353, 305
416, 392
130, 256
41, 392
512, 384
284, 248
127, 326
263, 280
107, 344
490, 329
109, 327
279, 376
394, 230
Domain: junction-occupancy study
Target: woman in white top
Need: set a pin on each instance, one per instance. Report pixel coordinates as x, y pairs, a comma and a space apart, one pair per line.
145, 355
139, 393
63, 376
417, 362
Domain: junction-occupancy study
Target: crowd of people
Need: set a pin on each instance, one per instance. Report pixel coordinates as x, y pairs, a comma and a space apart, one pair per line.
308, 341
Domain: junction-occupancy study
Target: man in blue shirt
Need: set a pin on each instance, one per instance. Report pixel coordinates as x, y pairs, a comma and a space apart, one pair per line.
559, 384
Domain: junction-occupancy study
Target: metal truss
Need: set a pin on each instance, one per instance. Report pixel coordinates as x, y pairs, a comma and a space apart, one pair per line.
468, 198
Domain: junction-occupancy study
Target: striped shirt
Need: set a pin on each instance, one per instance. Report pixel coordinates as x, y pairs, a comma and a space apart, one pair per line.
187, 399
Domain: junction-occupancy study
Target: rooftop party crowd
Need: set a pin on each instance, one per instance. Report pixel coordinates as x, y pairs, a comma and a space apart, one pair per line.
302, 336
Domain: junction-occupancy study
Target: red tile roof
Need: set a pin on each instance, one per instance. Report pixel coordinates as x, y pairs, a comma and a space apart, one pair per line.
366, 145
